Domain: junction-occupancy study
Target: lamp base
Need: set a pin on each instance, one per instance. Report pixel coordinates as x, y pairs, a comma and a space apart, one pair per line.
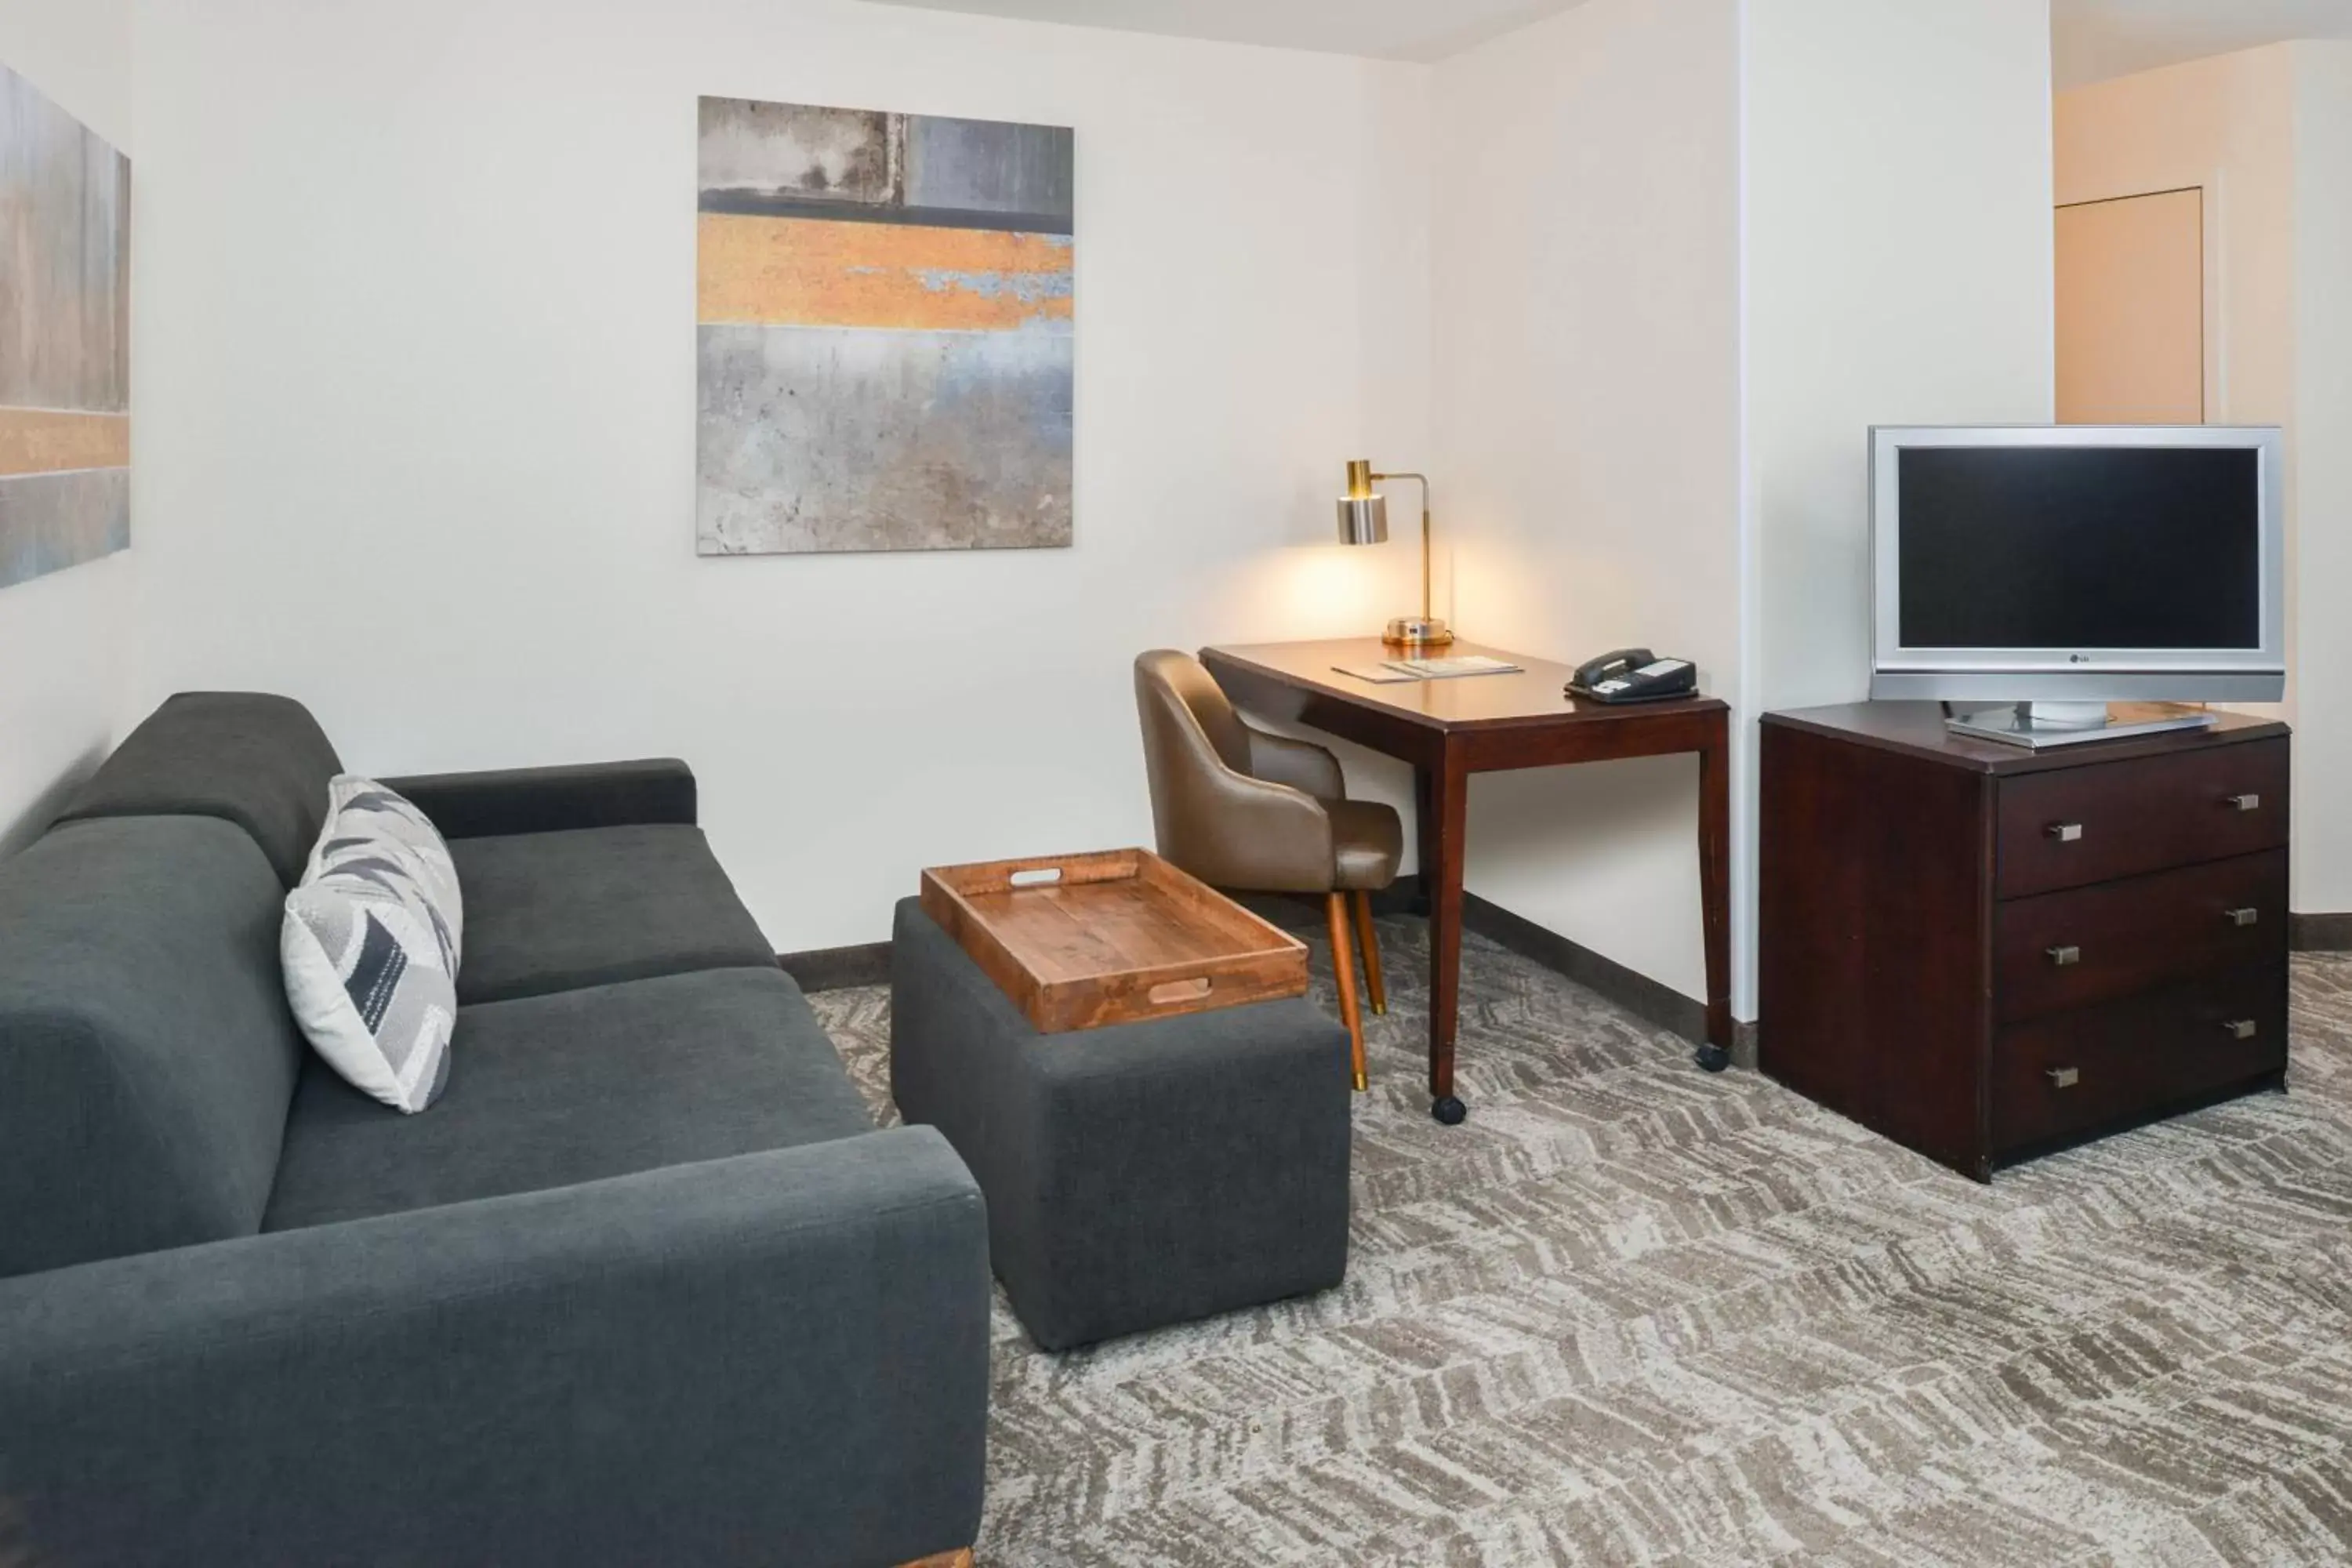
1417, 631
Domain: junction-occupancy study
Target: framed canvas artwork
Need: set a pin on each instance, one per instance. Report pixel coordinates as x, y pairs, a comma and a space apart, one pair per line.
65, 339
887, 350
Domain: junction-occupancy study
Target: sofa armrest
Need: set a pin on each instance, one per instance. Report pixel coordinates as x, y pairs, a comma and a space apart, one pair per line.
550, 800
777, 1358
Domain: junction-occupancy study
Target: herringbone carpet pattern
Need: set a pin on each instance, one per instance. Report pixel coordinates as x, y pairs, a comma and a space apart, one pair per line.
1630, 1313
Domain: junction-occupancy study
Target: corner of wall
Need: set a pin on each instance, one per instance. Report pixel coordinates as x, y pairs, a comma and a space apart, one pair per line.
1585, 276
2320, 413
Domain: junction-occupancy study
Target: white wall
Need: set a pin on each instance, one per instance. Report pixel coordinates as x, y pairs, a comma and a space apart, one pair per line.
417, 439
63, 637
2268, 134
1900, 270
2323, 480
1586, 265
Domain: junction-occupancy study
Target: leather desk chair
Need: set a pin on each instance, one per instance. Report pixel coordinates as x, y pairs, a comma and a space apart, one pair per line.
1255, 813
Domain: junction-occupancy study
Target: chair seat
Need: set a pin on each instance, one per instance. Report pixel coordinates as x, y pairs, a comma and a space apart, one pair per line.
1367, 845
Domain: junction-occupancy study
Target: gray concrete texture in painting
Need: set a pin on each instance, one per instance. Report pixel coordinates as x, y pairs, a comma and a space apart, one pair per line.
835, 156
799, 159
817, 440
987, 166
51, 521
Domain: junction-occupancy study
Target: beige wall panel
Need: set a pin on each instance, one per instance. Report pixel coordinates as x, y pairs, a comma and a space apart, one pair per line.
2131, 310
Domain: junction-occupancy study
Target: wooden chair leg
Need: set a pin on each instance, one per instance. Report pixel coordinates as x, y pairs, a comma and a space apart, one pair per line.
1343, 965
1371, 944
958, 1559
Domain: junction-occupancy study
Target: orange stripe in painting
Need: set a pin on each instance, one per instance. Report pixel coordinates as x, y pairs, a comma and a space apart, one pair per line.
37, 441
779, 271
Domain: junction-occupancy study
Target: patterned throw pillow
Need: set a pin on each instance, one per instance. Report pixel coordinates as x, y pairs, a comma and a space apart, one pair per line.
371, 943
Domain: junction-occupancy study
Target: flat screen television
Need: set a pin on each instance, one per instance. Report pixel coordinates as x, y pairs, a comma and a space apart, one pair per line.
2056, 569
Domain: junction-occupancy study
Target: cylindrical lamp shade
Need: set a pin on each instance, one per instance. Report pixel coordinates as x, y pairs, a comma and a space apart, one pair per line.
1363, 519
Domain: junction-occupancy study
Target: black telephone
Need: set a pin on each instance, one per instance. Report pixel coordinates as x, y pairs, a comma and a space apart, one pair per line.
1633, 675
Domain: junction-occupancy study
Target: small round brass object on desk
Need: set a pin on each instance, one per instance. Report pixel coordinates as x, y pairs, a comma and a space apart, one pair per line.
1417, 631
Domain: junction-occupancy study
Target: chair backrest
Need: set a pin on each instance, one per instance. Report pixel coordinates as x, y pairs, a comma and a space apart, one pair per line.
1192, 740
1176, 694
147, 1053
247, 757
1210, 816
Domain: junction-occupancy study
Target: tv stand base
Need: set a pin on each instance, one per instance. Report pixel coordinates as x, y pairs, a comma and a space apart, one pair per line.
2039, 725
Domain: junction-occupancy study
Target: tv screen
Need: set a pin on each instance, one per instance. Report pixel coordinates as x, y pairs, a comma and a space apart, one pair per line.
2080, 547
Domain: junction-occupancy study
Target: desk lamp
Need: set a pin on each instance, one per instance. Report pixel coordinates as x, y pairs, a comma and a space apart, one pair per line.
1364, 520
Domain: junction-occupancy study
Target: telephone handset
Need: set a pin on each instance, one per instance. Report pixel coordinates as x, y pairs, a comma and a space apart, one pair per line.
1633, 675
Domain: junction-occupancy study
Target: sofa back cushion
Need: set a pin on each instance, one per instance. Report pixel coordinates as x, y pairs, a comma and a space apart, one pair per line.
245, 757
147, 1055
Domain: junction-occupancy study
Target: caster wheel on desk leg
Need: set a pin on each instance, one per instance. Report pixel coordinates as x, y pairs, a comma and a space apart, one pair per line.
1712, 1058
1449, 1111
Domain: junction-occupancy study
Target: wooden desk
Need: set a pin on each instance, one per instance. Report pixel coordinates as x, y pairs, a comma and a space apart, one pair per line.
1449, 730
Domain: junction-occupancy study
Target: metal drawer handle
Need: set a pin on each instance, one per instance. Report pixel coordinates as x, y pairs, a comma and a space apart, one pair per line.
2063, 1078
2243, 802
2065, 957
2065, 832
2241, 917
2240, 1028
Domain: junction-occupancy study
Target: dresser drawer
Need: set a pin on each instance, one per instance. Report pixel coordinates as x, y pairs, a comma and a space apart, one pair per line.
2072, 1072
2101, 821
2097, 944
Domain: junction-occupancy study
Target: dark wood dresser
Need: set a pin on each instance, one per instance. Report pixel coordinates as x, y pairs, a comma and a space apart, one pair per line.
1984, 952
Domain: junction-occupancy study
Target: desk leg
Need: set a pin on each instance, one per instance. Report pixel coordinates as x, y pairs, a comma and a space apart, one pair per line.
1445, 814
1714, 889
1425, 838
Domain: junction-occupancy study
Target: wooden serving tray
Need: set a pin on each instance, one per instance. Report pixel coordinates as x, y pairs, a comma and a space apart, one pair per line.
1081, 940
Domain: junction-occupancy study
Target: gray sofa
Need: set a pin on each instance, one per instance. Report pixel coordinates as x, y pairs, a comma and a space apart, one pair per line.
646, 1286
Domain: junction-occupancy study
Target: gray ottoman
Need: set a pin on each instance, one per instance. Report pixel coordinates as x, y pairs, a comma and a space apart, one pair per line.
1136, 1175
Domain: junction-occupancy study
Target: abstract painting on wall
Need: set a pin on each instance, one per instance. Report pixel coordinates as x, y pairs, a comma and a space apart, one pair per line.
886, 326
65, 339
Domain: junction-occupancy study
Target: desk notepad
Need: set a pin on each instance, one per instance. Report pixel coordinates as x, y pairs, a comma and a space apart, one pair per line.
1391, 672
1451, 669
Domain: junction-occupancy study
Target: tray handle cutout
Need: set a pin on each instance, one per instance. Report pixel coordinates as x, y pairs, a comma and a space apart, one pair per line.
1036, 877
1169, 993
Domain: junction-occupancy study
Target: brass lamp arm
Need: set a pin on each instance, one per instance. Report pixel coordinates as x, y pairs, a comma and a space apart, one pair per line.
1423, 480
1364, 520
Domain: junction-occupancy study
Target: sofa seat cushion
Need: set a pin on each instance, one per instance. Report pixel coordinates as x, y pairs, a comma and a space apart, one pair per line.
554, 911
551, 1091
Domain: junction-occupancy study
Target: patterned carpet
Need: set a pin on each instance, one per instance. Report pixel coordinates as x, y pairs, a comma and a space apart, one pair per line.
1630, 1313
